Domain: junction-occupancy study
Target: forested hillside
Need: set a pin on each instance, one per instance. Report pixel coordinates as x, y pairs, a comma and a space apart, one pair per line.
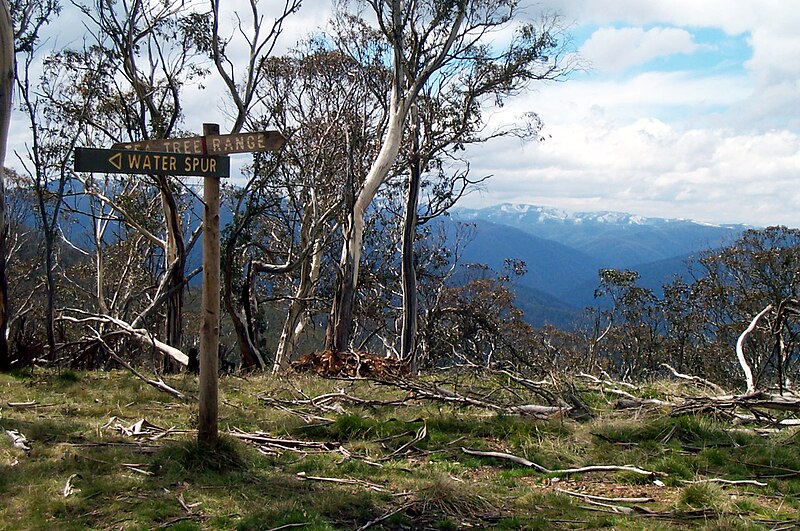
564, 251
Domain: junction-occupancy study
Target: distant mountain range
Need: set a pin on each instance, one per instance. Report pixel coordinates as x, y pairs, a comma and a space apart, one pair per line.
564, 251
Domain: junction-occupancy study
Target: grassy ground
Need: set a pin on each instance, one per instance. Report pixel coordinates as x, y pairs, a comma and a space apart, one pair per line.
87, 470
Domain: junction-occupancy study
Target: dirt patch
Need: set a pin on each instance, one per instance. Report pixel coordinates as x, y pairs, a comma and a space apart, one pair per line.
609, 489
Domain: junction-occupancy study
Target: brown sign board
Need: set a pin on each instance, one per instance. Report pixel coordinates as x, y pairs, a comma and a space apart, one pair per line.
211, 144
150, 163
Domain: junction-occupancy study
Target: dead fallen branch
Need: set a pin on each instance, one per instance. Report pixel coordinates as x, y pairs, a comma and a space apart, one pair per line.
22, 405
141, 429
627, 400
424, 391
140, 334
387, 515
729, 403
137, 467
18, 440
605, 468
728, 482
69, 488
158, 384
607, 382
289, 526
502, 455
605, 499
359, 482
187, 506
304, 406
419, 436
607, 507
265, 440
695, 379
565, 471
537, 387
639, 403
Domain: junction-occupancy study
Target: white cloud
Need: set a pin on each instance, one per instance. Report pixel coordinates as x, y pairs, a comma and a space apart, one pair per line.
618, 49
716, 144
651, 168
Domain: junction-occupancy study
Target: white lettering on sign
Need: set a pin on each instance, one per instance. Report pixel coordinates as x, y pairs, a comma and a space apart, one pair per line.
200, 165
169, 163
214, 144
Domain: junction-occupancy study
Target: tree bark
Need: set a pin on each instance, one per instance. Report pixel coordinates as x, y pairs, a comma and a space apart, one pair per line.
6, 90
175, 265
251, 356
408, 272
297, 317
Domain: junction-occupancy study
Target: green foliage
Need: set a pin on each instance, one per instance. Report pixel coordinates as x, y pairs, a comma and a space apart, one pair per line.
702, 496
68, 376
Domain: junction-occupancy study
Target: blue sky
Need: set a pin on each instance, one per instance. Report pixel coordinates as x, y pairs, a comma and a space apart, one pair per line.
687, 109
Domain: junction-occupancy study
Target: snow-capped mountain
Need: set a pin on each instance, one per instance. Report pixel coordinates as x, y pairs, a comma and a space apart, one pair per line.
565, 250
617, 239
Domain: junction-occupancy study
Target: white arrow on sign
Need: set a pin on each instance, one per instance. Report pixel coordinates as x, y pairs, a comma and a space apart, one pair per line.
116, 161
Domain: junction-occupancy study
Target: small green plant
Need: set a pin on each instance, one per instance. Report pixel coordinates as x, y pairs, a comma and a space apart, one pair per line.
190, 458
446, 497
68, 376
702, 496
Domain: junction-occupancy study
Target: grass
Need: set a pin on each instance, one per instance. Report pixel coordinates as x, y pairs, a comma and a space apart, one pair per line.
84, 472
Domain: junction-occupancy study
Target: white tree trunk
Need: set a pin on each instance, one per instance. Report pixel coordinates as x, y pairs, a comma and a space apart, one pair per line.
377, 175
297, 316
748, 373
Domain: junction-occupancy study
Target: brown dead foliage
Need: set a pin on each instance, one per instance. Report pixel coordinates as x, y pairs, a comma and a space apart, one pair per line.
332, 364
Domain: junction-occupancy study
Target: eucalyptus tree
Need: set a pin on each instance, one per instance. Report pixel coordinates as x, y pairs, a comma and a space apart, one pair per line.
757, 275
25, 312
477, 322
255, 35
428, 42
240, 47
322, 100
632, 339
447, 117
149, 59
46, 158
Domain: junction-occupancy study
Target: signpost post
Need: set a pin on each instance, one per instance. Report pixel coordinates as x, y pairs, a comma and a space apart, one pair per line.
207, 429
204, 156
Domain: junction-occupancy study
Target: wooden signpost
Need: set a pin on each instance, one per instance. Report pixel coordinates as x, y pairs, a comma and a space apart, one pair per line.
214, 144
149, 163
204, 156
